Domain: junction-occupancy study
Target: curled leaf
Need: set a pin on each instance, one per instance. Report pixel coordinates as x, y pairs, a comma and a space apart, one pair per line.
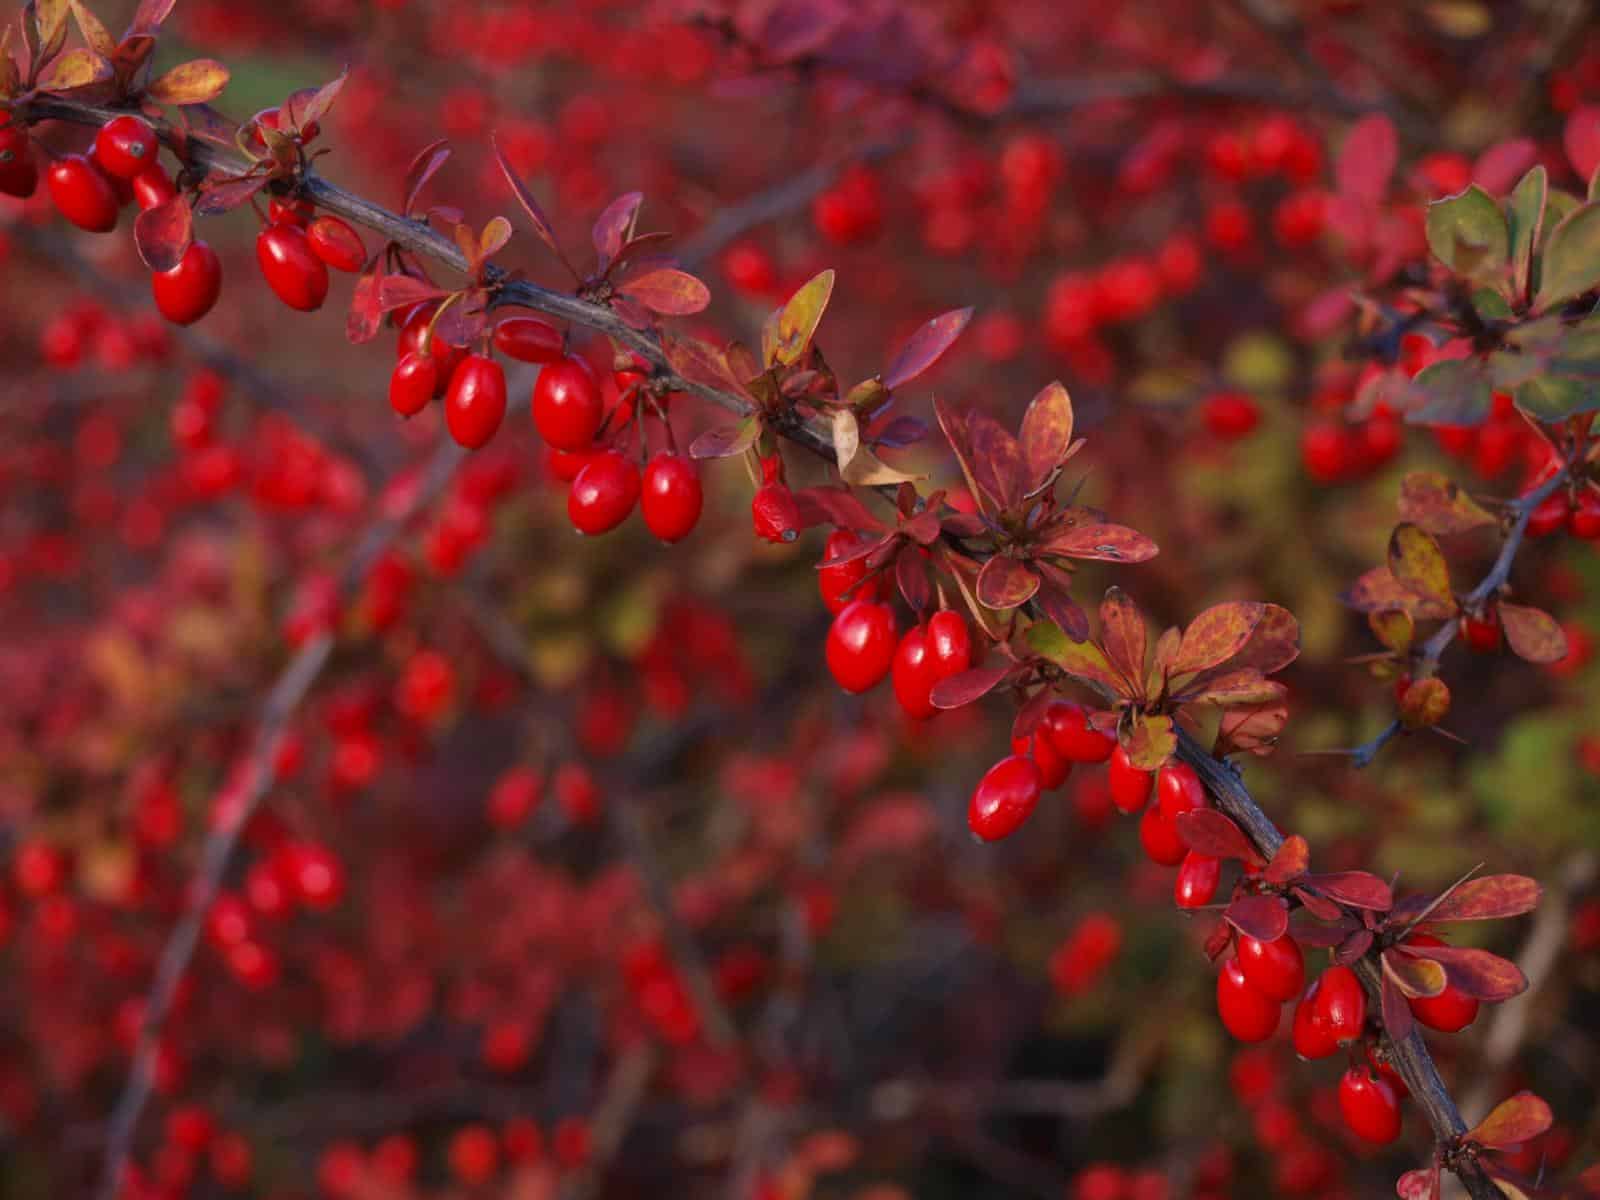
1476, 972
1418, 978
423, 168
612, 226
163, 234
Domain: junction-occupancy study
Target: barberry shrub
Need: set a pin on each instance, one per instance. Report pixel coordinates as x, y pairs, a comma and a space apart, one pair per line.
1042, 422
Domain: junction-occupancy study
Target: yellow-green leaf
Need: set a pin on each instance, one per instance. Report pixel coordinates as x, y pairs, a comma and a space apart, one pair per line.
1570, 264
197, 82
1417, 562
798, 319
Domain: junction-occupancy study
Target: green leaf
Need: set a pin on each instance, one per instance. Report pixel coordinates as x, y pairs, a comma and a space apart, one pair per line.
1084, 661
1491, 305
1554, 398
1525, 216
1570, 264
1467, 232
1457, 391
798, 319
1151, 742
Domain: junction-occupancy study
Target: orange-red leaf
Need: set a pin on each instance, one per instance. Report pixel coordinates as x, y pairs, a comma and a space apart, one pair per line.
1123, 633
1491, 898
1216, 635
1477, 972
195, 82
1520, 1119
669, 291
1290, 862
1438, 504
1265, 918
1006, 583
1102, 543
1046, 434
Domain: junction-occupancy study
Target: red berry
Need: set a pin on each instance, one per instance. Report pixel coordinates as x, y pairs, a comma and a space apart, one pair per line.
315, 874
83, 194
1067, 725
1325, 452
835, 581
1341, 1003
1452, 1010
861, 645
187, 292
604, 493
1130, 785
528, 339
19, 172
1584, 519
1004, 798
564, 465
1053, 768
672, 497
949, 642
414, 330
1160, 839
1312, 1036
1549, 516
567, 406
1248, 1013
296, 276
152, 187
914, 674
125, 146
1230, 415
1276, 967
1178, 789
1481, 631
1196, 884
290, 210
475, 403
412, 383
775, 514
1370, 1107
336, 243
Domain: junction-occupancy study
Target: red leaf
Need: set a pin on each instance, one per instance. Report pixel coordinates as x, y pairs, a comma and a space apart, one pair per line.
1416, 977
1421, 1184
1216, 635
1491, 898
1273, 645
1367, 159
217, 198
1123, 634
541, 223
423, 168
1501, 165
402, 291
1027, 718
836, 506
669, 291
1533, 634
312, 104
1103, 543
926, 346
1046, 434
162, 234
911, 576
996, 459
1206, 831
365, 318
1061, 608
1397, 1017
1476, 972
1318, 906
1006, 583
1358, 889
612, 226
1353, 947
954, 691
727, 440
1520, 1119
1265, 918
1379, 591
1253, 729
150, 14
1290, 862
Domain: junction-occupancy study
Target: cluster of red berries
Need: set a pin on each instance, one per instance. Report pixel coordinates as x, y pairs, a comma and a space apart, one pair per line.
1040, 760
476, 1155
1337, 452
658, 991
192, 1142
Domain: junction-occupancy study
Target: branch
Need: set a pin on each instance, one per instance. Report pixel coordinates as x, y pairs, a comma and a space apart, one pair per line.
281, 703
1409, 1055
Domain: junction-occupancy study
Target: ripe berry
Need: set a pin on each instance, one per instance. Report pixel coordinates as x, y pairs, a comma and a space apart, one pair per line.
19, 172
336, 243
1583, 521
412, 383
1248, 1013
187, 292
861, 645
1325, 452
604, 493
1004, 798
672, 497
1067, 726
1160, 839
83, 194
152, 187
1452, 1010
1277, 967
1312, 1036
564, 465
1196, 884
1130, 785
1481, 631
1178, 790
125, 146
1230, 415
315, 874
914, 675
774, 513
296, 275
949, 642
475, 403
834, 582
1053, 768
1370, 1107
1341, 1003
412, 332
567, 406
1549, 516
528, 339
